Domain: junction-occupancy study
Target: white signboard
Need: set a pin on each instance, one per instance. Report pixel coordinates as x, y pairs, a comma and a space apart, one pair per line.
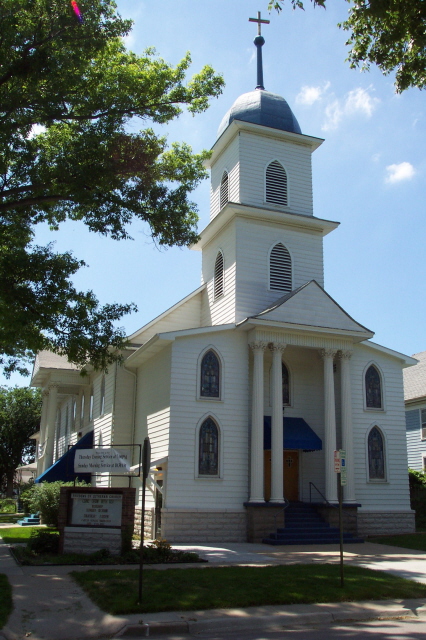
337, 461
114, 461
96, 509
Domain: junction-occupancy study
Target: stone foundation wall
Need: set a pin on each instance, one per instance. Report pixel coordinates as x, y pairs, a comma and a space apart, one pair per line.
89, 540
197, 525
149, 522
385, 523
263, 519
349, 517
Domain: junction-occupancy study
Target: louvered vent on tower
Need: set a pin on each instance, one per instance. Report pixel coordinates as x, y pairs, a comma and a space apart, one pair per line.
218, 276
276, 184
224, 190
280, 269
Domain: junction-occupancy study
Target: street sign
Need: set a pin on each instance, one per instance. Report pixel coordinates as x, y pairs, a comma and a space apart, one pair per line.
337, 461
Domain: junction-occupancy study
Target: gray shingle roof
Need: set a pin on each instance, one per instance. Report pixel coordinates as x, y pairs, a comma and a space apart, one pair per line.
415, 378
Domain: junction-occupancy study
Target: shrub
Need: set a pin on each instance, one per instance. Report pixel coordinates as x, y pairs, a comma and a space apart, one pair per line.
7, 505
43, 542
44, 499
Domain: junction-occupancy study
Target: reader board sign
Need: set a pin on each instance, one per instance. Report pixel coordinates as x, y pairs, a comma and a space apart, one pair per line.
96, 509
110, 460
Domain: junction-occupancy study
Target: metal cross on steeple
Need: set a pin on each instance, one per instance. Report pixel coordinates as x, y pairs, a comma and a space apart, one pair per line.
259, 41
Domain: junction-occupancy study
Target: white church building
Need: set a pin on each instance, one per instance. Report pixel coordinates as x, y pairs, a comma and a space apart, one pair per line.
248, 385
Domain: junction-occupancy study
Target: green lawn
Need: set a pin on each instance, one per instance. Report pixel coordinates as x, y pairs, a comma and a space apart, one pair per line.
116, 591
6, 605
407, 540
13, 535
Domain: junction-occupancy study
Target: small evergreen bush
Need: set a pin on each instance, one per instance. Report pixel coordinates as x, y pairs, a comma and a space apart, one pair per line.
42, 541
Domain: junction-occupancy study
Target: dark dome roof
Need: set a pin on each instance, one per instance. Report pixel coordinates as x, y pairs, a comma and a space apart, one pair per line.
261, 107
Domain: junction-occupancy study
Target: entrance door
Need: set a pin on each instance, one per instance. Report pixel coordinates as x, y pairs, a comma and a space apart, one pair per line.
291, 474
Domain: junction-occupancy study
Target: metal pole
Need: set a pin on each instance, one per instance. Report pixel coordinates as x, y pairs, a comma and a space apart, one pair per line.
342, 581
146, 464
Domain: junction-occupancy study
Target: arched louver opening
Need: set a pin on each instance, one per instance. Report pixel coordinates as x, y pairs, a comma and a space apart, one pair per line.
373, 388
224, 189
276, 184
218, 276
280, 269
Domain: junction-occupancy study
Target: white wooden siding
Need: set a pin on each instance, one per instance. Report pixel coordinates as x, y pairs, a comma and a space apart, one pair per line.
229, 161
416, 447
232, 415
253, 242
392, 495
103, 424
222, 310
186, 316
256, 152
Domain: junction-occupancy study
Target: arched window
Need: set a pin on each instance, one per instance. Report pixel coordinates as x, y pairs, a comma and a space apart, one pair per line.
280, 268
208, 453
224, 189
218, 276
286, 384
210, 375
376, 455
102, 397
373, 388
276, 184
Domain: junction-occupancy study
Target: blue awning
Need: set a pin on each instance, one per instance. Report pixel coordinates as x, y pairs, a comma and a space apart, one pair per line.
63, 469
297, 435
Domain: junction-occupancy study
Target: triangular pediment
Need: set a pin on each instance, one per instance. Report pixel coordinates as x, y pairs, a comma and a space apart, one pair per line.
311, 306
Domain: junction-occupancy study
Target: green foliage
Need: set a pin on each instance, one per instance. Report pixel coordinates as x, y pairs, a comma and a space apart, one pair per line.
43, 541
44, 499
6, 604
67, 92
8, 505
417, 481
20, 409
388, 33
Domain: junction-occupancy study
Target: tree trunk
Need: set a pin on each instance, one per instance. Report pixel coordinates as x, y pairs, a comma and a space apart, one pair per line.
9, 480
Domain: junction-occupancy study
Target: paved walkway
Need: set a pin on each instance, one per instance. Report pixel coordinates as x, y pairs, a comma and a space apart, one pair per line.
48, 605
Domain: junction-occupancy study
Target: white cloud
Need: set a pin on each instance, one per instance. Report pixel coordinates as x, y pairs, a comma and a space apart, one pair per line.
35, 130
399, 172
358, 101
309, 95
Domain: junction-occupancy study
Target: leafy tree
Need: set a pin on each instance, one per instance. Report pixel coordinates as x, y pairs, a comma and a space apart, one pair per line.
388, 33
68, 90
20, 409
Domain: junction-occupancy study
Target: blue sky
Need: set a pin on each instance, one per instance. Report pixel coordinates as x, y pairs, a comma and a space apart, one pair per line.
368, 174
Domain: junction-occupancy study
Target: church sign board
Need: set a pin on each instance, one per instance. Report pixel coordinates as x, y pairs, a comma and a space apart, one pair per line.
96, 510
104, 460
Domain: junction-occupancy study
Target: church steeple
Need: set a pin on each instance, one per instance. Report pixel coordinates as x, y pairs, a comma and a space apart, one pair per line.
259, 41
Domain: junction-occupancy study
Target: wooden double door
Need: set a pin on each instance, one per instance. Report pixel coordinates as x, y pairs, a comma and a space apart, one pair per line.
291, 474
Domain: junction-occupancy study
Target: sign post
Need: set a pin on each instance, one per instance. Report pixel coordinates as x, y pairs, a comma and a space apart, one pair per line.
146, 463
340, 469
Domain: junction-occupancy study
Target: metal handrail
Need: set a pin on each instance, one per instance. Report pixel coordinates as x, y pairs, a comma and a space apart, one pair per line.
286, 504
330, 504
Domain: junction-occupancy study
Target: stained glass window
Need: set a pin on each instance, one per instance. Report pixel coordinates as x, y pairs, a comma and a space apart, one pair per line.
376, 455
286, 384
373, 388
208, 460
210, 376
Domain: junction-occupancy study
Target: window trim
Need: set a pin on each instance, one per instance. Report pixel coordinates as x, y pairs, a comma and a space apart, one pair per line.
422, 437
271, 248
220, 449
382, 409
384, 480
274, 204
221, 397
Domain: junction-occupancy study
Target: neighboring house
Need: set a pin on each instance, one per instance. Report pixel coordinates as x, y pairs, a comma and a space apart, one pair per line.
210, 379
415, 412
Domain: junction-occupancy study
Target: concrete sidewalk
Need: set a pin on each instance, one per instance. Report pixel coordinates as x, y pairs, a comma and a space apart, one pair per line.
50, 606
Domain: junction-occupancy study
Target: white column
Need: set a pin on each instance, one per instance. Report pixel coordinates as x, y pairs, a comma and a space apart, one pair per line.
256, 466
86, 393
50, 426
277, 444
41, 445
347, 436
330, 425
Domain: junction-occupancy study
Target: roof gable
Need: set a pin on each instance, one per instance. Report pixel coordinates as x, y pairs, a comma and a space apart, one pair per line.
311, 306
415, 378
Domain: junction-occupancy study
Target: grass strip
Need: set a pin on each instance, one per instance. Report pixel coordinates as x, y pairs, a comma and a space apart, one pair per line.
116, 591
405, 540
6, 605
14, 535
